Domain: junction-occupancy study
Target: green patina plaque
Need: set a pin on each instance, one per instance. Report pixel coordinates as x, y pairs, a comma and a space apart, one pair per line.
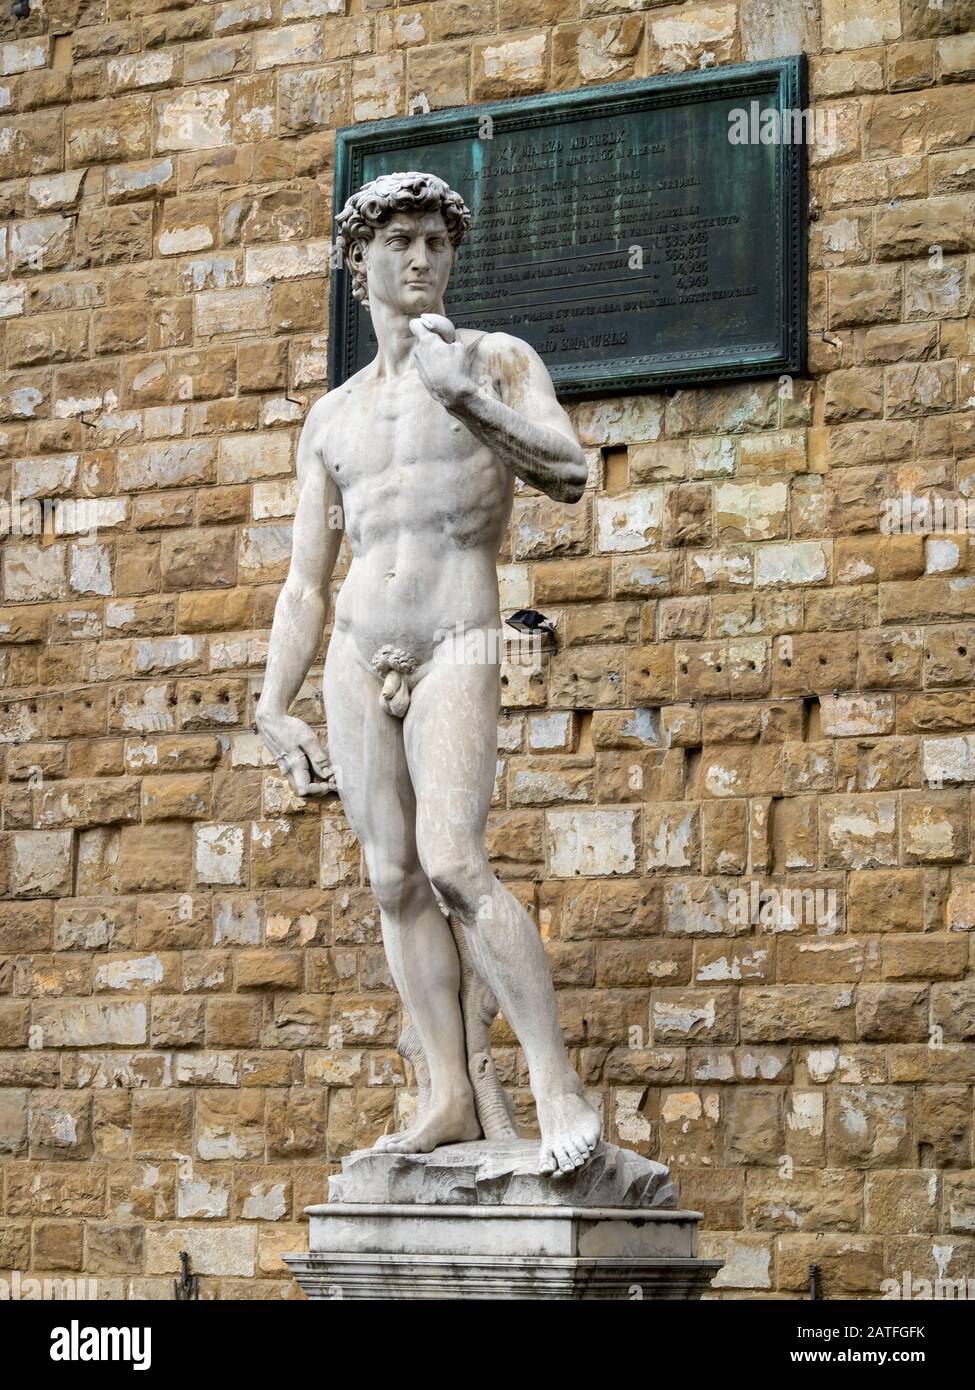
625, 231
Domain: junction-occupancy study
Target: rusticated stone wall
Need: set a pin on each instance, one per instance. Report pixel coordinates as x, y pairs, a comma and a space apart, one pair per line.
757, 687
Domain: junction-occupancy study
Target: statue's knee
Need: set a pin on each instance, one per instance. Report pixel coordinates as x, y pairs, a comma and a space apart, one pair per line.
460, 883
394, 886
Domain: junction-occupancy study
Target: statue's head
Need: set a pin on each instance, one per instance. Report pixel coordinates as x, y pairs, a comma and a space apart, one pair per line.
399, 235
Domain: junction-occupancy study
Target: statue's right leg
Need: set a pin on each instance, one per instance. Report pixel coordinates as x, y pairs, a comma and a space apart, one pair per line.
365, 746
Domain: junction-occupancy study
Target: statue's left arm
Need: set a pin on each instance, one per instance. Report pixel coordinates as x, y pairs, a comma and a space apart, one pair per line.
527, 428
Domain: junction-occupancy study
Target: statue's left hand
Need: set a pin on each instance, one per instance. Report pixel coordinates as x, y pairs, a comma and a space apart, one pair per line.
441, 359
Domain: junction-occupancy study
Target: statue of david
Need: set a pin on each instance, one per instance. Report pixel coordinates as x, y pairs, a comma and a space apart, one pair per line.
415, 459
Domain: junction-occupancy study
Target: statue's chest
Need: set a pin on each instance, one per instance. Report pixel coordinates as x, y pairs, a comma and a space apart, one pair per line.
400, 435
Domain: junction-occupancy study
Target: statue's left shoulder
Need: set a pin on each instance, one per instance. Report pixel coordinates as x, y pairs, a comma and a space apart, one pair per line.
513, 365
505, 345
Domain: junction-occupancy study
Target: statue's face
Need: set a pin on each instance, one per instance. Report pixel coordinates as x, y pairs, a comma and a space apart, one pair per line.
408, 262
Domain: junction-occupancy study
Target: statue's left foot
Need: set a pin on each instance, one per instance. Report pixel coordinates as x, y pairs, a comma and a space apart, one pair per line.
570, 1131
452, 1123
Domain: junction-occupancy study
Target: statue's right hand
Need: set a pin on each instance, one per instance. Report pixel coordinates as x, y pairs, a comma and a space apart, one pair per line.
297, 752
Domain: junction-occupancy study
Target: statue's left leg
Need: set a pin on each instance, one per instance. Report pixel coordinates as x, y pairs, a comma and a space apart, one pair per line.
450, 734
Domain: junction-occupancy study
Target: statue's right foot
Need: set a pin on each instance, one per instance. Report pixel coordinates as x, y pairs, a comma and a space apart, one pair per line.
451, 1122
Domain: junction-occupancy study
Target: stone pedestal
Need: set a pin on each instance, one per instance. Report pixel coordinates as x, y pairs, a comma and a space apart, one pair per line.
478, 1221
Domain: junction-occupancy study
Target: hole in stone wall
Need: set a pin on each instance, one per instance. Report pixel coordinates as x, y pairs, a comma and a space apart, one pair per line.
584, 742
616, 470
777, 838
773, 806
692, 764
812, 718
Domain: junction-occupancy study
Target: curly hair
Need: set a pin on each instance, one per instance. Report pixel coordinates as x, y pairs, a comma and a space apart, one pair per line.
379, 200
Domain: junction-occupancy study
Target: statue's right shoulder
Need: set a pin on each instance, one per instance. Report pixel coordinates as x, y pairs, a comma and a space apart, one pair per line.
330, 417
330, 407
325, 413
323, 409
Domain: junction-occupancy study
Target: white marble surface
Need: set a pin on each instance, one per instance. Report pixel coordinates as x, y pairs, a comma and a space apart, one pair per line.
502, 1173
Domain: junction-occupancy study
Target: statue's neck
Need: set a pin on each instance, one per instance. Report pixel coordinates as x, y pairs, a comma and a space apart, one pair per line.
395, 341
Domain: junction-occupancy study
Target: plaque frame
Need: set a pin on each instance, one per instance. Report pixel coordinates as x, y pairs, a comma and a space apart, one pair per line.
781, 81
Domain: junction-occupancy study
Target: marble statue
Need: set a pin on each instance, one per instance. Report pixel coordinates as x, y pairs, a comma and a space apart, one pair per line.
415, 459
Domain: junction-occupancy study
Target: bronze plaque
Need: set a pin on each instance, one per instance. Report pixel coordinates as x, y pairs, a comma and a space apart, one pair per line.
621, 230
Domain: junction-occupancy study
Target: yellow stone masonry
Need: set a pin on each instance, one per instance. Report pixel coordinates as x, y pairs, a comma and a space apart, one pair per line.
738, 796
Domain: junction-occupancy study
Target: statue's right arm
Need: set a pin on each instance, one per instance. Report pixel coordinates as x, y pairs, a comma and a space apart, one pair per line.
299, 617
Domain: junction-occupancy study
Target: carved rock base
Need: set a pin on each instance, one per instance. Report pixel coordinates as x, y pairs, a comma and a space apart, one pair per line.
475, 1221
502, 1172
